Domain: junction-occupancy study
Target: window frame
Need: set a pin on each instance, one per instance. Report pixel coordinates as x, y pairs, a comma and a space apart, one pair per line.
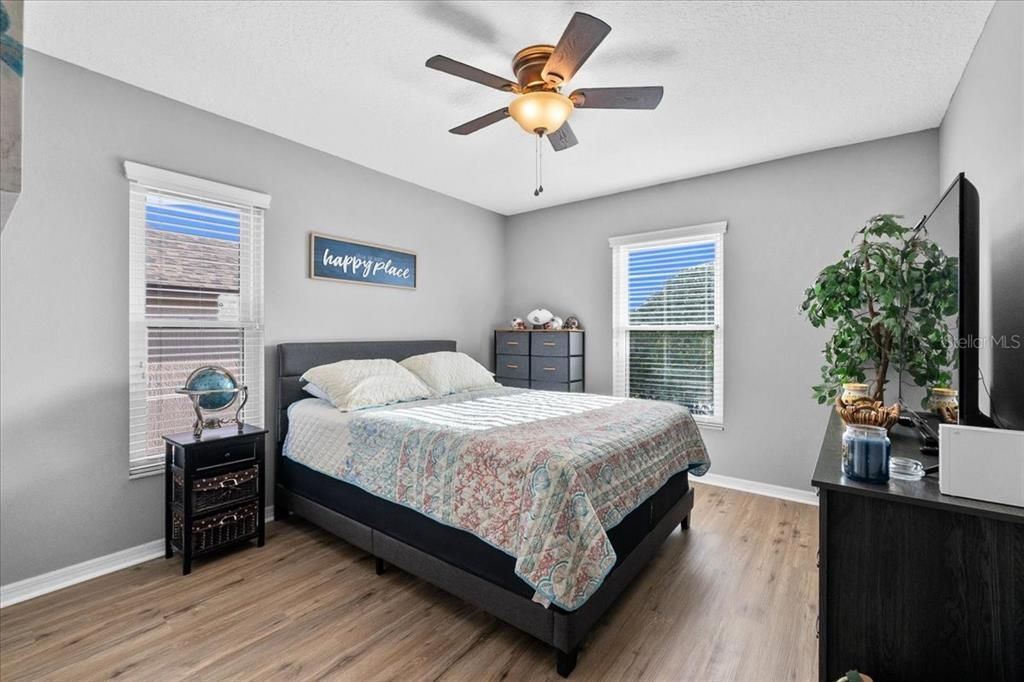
144, 180
621, 247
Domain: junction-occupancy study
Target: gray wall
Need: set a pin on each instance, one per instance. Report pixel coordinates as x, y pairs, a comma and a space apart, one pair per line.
787, 219
64, 482
982, 135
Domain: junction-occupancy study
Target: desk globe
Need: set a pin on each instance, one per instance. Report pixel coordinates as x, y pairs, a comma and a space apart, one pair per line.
214, 389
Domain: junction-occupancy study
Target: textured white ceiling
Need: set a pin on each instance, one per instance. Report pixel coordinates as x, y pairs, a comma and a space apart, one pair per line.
744, 81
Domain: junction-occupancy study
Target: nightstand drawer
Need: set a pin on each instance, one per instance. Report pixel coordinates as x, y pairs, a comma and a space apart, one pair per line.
219, 490
556, 369
512, 343
512, 367
216, 454
218, 530
514, 383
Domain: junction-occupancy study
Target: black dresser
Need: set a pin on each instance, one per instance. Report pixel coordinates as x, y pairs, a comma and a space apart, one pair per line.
549, 360
914, 584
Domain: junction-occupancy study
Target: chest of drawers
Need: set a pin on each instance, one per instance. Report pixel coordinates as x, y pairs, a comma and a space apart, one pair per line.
550, 360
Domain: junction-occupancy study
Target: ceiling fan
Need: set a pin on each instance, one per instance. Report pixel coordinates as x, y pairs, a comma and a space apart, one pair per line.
539, 106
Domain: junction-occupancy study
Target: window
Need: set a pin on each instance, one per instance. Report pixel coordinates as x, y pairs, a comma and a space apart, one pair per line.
195, 298
667, 318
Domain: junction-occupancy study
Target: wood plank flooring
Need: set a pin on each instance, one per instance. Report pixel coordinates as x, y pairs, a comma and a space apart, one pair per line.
733, 598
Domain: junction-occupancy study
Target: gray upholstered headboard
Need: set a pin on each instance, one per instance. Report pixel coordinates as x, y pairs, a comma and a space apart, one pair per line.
293, 359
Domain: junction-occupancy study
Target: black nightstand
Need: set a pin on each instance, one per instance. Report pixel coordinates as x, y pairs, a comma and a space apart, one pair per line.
214, 491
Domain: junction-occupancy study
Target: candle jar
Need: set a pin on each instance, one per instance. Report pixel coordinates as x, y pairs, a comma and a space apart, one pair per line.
940, 397
853, 392
866, 451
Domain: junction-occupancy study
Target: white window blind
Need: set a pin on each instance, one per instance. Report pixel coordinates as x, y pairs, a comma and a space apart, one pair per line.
667, 318
196, 298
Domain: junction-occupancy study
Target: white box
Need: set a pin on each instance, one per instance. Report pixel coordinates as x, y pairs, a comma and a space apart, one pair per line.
982, 464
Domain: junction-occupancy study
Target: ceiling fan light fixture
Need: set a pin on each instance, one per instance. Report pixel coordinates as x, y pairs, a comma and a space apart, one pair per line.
540, 111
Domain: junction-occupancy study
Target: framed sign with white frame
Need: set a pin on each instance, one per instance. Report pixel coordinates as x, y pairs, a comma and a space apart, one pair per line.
346, 260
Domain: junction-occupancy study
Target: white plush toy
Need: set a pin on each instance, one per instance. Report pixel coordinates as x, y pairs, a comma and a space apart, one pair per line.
539, 317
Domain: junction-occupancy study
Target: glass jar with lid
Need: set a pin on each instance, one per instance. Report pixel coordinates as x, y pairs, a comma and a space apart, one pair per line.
866, 451
854, 391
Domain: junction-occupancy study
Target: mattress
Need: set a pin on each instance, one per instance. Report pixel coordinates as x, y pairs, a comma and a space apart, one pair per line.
542, 477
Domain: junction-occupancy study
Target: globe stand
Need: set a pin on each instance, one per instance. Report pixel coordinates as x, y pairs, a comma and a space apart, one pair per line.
202, 421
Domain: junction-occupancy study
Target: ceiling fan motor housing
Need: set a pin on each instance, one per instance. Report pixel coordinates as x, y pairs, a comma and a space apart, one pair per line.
528, 65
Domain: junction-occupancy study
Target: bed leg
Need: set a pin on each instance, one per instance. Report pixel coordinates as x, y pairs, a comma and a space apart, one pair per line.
381, 566
280, 509
567, 661
685, 523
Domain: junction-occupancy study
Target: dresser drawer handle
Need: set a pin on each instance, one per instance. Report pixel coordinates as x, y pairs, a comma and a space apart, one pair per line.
512, 366
549, 343
228, 519
511, 343
550, 369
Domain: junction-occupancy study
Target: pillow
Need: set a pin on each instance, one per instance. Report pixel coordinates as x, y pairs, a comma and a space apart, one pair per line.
357, 384
316, 392
448, 372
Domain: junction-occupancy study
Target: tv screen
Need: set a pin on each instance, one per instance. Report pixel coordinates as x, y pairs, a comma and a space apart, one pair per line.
990, 326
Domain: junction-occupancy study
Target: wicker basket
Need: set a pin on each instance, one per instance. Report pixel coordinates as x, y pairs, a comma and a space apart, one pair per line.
867, 412
217, 491
219, 529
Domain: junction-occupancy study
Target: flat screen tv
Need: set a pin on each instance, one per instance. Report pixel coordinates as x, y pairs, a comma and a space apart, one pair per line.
1001, 378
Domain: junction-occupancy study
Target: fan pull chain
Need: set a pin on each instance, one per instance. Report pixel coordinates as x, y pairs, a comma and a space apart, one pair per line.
539, 167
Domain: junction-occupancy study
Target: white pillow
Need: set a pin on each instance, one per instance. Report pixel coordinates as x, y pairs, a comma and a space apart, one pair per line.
357, 384
316, 392
447, 372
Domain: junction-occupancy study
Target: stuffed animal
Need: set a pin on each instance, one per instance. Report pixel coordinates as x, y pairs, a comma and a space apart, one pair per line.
517, 323
554, 323
539, 317
571, 322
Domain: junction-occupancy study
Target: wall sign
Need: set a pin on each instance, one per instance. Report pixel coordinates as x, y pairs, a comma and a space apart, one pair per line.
12, 14
344, 260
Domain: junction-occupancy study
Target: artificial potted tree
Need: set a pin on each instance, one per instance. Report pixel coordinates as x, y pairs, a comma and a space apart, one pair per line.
889, 301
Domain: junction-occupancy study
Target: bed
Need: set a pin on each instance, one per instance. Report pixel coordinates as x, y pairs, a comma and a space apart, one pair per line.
551, 574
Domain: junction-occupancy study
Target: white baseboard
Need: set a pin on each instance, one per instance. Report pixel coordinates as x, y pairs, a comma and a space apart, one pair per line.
39, 585
757, 488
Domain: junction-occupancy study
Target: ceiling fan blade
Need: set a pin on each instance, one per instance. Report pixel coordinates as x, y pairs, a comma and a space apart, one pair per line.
482, 122
581, 37
618, 98
563, 138
470, 73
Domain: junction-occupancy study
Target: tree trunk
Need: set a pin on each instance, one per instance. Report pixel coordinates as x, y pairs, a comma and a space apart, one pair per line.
883, 369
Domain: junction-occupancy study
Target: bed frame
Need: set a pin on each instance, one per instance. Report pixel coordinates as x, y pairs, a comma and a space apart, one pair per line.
564, 630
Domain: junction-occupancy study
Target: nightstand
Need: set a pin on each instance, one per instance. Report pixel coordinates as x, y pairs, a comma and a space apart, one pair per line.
214, 491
